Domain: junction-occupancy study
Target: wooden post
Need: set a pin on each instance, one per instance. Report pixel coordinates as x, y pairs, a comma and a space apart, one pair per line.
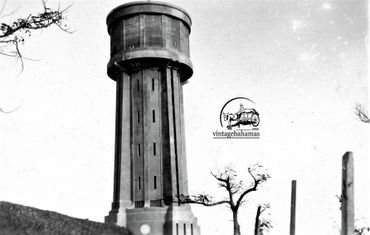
347, 197
292, 207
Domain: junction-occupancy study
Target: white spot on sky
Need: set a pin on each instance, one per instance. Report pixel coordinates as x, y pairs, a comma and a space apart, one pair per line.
308, 13
349, 20
325, 7
332, 22
309, 57
277, 42
313, 46
346, 43
339, 38
342, 55
297, 25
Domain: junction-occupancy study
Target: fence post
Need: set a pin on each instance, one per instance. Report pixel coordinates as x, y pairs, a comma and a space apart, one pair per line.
292, 207
347, 197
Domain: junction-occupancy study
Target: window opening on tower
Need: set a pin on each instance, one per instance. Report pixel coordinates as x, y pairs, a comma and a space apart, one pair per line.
155, 182
154, 149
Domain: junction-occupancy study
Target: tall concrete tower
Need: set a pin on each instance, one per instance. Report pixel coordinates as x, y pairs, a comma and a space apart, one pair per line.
150, 63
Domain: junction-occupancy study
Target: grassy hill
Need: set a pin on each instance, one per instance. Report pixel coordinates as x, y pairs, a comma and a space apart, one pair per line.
18, 220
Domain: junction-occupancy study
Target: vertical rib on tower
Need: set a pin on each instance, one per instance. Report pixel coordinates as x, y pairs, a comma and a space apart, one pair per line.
150, 62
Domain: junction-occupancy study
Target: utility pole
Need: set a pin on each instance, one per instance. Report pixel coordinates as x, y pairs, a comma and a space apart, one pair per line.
292, 207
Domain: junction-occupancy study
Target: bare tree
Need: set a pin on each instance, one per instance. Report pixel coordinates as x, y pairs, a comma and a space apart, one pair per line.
13, 34
236, 191
263, 224
361, 113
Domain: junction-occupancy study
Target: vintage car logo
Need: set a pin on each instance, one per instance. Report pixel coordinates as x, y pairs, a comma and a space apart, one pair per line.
239, 119
244, 115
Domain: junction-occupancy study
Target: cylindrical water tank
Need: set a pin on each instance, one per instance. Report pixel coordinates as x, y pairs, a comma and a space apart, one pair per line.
149, 34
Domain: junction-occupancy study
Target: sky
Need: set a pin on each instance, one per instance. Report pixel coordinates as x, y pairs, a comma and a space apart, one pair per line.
303, 63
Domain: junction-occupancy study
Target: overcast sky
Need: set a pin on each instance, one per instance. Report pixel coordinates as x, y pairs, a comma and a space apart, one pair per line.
303, 63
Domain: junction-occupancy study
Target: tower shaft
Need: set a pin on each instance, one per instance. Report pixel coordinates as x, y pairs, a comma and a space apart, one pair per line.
149, 136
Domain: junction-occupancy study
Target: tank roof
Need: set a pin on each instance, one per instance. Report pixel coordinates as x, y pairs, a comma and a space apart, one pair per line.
139, 7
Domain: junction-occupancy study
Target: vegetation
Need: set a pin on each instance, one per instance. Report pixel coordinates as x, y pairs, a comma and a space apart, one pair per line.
17, 219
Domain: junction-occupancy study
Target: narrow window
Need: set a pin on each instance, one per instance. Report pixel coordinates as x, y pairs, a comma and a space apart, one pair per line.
154, 149
137, 85
139, 182
155, 182
153, 112
138, 117
184, 229
138, 149
191, 229
152, 84
177, 229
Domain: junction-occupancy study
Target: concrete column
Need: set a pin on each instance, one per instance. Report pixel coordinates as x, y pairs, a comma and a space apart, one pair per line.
178, 132
183, 152
146, 138
172, 133
348, 202
293, 207
123, 192
122, 187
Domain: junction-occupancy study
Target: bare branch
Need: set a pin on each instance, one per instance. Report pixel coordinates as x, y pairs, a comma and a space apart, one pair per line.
9, 14
361, 113
2, 7
13, 34
10, 111
201, 199
261, 178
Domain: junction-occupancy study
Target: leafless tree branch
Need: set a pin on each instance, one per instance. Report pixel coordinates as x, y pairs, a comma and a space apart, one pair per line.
10, 111
201, 199
12, 34
361, 113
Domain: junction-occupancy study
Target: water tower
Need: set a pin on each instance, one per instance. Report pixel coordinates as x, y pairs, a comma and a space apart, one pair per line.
150, 62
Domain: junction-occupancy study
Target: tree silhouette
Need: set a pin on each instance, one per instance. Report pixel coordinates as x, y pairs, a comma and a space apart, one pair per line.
13, 34
236, 191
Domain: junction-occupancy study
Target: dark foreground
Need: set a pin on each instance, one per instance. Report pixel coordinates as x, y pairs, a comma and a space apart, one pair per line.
17, 219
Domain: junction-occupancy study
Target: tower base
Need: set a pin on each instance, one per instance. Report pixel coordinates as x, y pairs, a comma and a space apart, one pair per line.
168, 220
